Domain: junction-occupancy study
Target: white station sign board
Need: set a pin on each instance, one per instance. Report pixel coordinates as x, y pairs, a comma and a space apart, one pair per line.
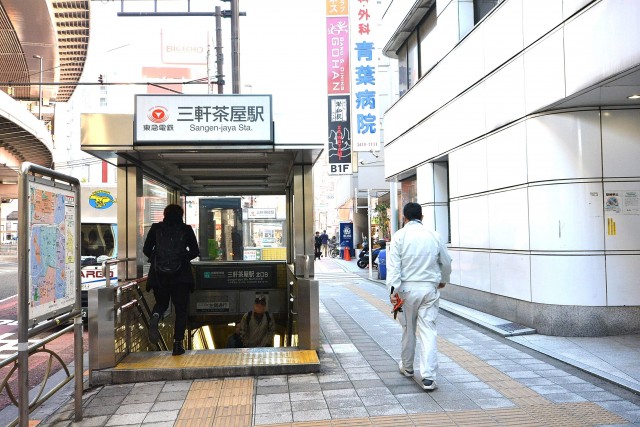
206, 119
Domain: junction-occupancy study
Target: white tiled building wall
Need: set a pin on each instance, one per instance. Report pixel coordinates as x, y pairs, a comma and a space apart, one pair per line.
526, 189
551, 208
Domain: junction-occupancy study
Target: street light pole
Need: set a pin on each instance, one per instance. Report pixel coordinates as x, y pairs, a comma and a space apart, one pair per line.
235, 46
39, 88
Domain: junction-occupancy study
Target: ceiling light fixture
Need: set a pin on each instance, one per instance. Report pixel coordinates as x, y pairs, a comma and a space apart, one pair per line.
235, 187
230, 182
214, 155
218, 169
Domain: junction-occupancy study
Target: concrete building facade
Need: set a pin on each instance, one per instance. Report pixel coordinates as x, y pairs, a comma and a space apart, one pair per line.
517, 130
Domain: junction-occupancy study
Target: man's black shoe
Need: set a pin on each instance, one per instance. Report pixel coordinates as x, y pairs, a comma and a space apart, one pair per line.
178, 349
154, 333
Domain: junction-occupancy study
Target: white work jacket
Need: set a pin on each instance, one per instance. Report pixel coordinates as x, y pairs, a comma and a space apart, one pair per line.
417, 254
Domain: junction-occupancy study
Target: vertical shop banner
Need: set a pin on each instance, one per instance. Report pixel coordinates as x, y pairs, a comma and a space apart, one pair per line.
338, 71
366, 135
337, 7
339, 143
338, 88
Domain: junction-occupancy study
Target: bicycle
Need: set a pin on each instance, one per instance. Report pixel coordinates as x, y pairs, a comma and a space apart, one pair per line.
334, 252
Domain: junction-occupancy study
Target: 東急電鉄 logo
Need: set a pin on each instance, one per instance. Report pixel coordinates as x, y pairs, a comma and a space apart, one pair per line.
101, 199
158, 114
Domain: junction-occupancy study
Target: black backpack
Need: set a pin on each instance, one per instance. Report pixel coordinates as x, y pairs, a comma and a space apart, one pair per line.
170, 251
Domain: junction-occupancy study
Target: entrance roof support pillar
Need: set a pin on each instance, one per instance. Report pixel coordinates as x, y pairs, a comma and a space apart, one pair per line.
302, 210
130, 233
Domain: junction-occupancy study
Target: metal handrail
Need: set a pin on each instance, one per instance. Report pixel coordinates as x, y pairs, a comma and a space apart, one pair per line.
134, 285
36, 345
106, 268
44, 326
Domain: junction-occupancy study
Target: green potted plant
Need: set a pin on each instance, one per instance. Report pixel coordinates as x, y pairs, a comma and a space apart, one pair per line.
383, 220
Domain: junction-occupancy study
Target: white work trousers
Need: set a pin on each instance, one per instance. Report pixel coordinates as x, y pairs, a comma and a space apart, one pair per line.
420, 310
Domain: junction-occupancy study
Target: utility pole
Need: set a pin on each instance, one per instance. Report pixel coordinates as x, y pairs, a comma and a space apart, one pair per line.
219, 57
235, 46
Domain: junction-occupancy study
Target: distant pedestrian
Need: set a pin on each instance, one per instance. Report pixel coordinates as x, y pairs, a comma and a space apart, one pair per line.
317, 243
418, 264
324, 238
171, 245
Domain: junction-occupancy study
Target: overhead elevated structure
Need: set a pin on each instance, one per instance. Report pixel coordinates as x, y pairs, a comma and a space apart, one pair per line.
43, 49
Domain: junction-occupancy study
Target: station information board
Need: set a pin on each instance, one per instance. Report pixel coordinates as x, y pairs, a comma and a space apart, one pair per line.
51, 260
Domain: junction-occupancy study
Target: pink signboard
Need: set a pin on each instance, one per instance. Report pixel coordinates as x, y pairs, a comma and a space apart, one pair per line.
338, 55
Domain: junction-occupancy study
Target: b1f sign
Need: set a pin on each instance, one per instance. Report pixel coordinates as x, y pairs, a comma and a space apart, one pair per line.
206, 119
339, 138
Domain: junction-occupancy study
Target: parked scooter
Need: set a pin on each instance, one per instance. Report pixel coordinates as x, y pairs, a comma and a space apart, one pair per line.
363, 257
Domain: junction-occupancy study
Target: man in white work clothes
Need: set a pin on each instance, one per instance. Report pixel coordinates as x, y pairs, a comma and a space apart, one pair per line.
418, 264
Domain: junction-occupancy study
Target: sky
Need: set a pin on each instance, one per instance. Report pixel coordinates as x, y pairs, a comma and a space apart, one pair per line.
282, 53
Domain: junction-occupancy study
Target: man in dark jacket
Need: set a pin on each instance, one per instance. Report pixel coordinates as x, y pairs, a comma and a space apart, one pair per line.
324, 237
174, 286
317, 243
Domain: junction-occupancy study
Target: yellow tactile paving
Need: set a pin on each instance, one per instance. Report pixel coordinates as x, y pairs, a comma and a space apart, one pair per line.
558, 415
157, 360
392, 421
355, 422
219, 403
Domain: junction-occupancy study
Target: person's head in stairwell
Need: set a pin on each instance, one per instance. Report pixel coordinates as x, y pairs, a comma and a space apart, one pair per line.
260, 305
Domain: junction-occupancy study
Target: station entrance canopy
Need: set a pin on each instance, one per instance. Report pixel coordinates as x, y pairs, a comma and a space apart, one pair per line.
201, 145
214, 145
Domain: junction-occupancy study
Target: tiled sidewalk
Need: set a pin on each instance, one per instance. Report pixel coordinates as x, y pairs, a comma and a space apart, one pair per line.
483, 380
614, 358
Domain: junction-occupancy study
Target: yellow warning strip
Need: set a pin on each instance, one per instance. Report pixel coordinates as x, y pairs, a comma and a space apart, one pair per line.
580, 414
227, 402
203, 359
